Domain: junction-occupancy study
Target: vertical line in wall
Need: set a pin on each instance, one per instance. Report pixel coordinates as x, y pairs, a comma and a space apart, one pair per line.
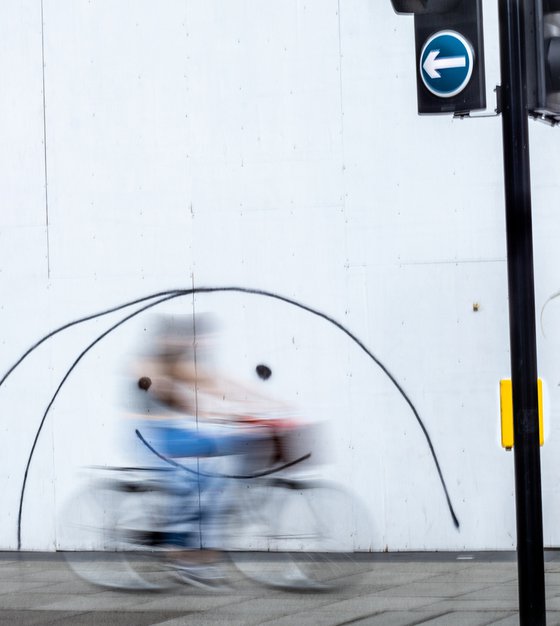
196, 412
190, 208
344, 216
54, 493
340, 77
54, 499
45, 141
343, 199
188, 138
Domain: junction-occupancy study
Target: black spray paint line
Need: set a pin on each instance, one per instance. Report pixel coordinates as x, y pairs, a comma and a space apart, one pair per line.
178, 293
268, 472
79, 321
368, 352
549, 300
64, 379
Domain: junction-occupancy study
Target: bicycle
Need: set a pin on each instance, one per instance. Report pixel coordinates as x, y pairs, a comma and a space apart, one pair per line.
308, 528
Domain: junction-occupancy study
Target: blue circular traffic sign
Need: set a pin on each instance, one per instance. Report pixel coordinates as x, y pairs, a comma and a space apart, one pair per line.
446, 63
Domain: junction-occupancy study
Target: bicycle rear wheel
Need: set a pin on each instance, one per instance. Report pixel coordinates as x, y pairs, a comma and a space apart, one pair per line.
298, 535
102, 538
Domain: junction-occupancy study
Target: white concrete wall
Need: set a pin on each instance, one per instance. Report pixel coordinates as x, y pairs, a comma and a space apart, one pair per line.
272, 145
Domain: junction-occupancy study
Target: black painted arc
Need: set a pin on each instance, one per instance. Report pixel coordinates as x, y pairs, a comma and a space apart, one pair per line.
188, 470
64, 379
172, 294
87, 318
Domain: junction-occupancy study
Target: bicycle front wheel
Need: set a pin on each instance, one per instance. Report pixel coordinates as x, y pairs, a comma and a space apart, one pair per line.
298, 535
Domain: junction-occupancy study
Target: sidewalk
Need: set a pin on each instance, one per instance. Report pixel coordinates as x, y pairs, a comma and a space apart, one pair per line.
436, 589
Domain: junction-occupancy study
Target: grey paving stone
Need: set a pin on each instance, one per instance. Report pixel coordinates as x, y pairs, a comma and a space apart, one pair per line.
374, 604
421, 568
458, 604
65, 587
24, 586
432, 589
112, 618
261, 610
33, 575
35, 618
553, 604
92, 602
21, 601
552, 619
468, 618
479, 574
440, 619
439, 590
369, 606
189, 602
204, 620
382, 618
507, 592
511, 620
388, 578
333, 617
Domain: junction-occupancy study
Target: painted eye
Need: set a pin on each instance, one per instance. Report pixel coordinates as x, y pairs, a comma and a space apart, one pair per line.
263, 371
144, 383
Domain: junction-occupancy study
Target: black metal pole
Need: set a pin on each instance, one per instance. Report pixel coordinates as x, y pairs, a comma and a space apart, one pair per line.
530, 553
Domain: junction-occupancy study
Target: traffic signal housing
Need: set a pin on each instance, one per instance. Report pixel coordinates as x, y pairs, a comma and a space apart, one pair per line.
542, 42
449, 54
424, 6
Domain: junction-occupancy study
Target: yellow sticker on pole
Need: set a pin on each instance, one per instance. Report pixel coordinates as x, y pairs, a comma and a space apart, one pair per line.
506, 411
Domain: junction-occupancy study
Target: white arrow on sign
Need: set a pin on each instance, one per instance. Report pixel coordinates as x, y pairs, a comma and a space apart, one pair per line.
432, 64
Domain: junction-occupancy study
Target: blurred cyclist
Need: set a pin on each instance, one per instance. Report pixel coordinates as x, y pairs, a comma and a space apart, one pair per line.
184, 410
